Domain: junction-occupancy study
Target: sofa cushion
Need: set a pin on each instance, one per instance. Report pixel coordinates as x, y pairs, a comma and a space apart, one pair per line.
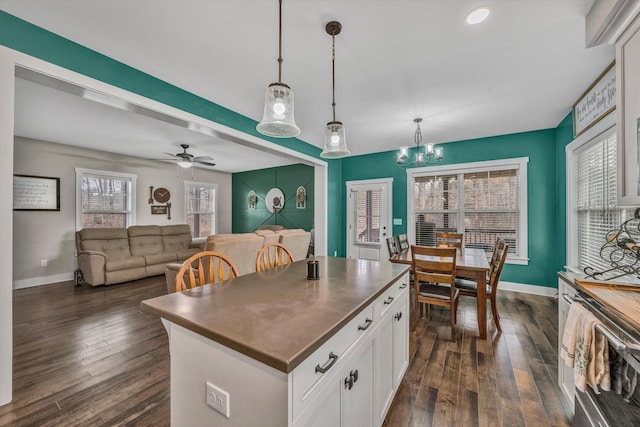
144, 230
113, 242
161, 258
172, 230
114, 264
297, 241
175, 243
183, 254
146, 245
268, 235
241, 248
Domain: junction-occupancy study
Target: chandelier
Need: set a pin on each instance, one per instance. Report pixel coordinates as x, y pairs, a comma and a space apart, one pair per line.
278, 120
431, 154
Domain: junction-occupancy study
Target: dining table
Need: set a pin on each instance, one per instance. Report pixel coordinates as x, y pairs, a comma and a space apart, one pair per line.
471, 263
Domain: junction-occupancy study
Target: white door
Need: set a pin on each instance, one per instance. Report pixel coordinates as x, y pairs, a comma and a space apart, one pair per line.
369, 218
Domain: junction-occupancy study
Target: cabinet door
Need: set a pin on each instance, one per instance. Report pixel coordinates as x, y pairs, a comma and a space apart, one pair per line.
400, 321
383, 363
357, 400
325, 411
565, 373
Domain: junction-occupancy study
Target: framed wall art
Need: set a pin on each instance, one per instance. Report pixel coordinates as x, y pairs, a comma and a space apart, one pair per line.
598, 101
36, 193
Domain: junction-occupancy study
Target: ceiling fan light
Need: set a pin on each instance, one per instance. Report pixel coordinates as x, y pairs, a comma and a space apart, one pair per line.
335, 143
478, 15
278, 120
185, 164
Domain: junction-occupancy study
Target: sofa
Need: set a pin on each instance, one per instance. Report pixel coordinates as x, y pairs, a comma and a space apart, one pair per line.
242, 249
114, 255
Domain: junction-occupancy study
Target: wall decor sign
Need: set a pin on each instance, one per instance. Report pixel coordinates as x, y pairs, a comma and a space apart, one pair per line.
158, 209
36, 193
598, 101
274, 200
301, 198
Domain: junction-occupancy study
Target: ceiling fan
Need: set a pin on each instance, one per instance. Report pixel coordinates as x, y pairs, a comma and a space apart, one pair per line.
186, 160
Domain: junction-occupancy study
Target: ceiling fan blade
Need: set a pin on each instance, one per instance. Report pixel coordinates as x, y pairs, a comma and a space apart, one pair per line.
203, 158
172, 155
205, 163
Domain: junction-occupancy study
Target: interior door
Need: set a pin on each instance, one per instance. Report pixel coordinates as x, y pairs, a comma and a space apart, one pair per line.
369, 218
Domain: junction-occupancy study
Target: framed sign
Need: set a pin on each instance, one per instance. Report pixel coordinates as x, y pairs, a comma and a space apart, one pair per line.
628, 134
158, 209
598, 101
36, 193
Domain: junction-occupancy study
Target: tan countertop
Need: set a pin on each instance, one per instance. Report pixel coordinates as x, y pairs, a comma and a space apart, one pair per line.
278, 317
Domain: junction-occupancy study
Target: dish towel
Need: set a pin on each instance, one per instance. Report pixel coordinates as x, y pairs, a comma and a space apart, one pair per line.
585, 350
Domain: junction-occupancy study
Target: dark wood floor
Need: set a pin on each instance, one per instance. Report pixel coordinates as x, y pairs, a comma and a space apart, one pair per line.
88, 356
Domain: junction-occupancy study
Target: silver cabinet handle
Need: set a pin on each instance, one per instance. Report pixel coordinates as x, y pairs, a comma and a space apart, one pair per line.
367, 323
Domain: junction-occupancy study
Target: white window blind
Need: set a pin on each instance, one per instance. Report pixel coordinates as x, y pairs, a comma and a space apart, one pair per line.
596, 204
481, 201
201, 203
367, 207
106, 201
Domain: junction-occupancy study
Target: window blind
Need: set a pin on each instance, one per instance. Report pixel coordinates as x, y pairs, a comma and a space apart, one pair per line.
201, 209
598, 213
367, 216
105, 201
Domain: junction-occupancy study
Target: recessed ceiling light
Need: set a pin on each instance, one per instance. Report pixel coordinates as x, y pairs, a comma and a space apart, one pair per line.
478, 15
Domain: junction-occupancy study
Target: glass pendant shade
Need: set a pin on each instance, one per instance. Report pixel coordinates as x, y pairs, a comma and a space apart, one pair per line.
335, 143
278, 120
185, 164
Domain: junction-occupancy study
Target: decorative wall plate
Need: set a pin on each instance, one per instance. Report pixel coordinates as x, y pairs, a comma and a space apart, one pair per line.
274, 200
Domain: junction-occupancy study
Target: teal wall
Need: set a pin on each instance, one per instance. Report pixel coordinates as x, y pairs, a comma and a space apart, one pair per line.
538, 146
287, 179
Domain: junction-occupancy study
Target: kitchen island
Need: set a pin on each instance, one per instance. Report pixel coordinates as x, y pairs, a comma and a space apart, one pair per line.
276, 349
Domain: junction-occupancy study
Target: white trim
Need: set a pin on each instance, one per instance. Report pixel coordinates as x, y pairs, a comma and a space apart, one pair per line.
606, 125
546, 291
209, 185
43, 280
517, 162
80, 172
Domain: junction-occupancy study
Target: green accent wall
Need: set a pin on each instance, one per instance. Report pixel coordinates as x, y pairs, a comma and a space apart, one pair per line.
538, 146
287, 179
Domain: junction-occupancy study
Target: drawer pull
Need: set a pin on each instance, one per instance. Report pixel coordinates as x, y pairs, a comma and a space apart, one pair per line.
367, 323
398, 316
388, 300
348, 382
332, 360
404, 285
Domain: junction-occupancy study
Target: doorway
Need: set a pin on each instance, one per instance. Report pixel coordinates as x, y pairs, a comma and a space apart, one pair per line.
369, 214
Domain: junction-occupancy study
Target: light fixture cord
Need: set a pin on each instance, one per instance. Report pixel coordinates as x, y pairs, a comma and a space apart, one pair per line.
333, 73
418, 136
280, 45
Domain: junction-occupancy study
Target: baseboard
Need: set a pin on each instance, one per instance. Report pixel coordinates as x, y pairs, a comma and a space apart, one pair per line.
528, 289
44, 280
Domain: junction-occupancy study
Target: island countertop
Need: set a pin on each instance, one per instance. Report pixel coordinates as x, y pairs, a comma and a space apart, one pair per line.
278, 316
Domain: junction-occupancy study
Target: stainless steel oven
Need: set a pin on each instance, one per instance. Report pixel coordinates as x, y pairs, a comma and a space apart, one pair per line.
610, 408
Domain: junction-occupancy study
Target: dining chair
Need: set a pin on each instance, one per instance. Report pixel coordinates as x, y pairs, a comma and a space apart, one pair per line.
470, 287
449, 240
273, 255
434, 272
204, 267
391, 246
403, 242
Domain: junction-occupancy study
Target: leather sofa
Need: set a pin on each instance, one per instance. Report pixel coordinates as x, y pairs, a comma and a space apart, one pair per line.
242, 249
115, 255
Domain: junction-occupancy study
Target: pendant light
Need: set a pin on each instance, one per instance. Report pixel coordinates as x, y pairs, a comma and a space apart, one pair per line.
335, 144
278, 120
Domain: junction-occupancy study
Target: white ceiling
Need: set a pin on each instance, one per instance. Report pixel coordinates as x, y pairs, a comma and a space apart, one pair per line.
520, 70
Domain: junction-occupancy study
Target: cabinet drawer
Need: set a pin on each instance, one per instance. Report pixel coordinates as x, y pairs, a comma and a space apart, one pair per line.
385, 301
308, 378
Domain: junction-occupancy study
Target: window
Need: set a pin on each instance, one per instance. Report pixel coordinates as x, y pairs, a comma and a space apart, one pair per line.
367, 216
201, 202
595, 199
482, 200
104, 199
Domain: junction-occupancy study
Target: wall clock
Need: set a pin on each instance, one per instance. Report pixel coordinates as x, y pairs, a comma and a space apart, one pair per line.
274, 200
162, 195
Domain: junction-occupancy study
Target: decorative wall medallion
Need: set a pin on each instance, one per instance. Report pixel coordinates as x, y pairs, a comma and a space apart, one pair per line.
274, 200
252, 199
301, 198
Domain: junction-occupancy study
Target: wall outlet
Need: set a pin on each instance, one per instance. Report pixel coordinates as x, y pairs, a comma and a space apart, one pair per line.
218, 399
44, 263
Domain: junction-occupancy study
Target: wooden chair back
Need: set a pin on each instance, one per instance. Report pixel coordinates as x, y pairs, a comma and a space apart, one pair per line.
403, 242
204, 267
434, 265
497, 262
449, 240
273, 255
391, 246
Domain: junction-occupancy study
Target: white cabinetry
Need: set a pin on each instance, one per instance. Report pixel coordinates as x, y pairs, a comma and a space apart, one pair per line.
565, 373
